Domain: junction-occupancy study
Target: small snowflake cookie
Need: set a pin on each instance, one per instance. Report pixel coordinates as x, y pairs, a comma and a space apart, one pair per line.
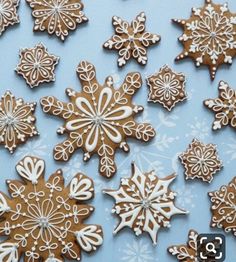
223, 207
131, 40
8, 14
166, 87
144, 203
44, 220
57, 16
186, 252
223, 106
209, 36
37, 65
17, 121
99, 119
201, 161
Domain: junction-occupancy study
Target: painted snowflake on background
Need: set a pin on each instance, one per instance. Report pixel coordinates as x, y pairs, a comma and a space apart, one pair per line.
201, 161
144, 203
131, 40
188, 252
37, 65
17, 121
198, 128
57, 16
224, 107
166, 87
186, 196
8, 14
99, 119
43, 220
209, 36
223, 207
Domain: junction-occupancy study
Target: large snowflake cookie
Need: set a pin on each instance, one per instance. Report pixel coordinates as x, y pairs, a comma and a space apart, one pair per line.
99, 119
37, 65
57, 16
223, 106
166, 87
17, 121
209, 36
8, 14
223, 207
144, 203
44, 220
131, 40
186, 252
201, 161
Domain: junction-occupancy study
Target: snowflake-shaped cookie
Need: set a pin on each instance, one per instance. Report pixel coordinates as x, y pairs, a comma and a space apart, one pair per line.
209, 36
44, 220
144, 203
223, 106
166, 87
201, 161
188, 252
57, 16
17, 121
223, 207
99, 119
131, 40
8, 14
37, 65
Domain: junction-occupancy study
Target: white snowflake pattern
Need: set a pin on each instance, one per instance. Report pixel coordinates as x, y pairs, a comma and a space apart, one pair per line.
199, 129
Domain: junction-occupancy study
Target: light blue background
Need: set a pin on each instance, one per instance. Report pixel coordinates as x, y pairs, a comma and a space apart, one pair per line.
175, 130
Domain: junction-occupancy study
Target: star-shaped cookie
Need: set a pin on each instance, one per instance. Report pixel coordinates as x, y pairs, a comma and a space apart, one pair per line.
99, 119
144, 203
44, 220
223, 207
223, 106
201, 161
37, 65
17, 121
131, 40
57, 16
8, 14
166, 87
209, 36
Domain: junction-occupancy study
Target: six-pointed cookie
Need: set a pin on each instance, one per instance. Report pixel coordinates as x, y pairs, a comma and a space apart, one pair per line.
37, 65
166, 87
131, 40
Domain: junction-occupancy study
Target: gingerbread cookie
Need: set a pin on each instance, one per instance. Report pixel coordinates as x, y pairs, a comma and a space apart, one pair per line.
209, 36
201, 161
57, 16
186, 252
8, 14
17, 121
223, 106
37, 65
99, 119
223, 207
45, 220
166, 87
144, 203
131, 40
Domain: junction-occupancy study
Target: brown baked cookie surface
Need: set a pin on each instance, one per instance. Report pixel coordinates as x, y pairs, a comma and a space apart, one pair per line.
44, 220
57, 17
200, 161
209, 36
223, 207
166, 87
17, 121
131, 40
37, 65
144, 203
223, 106
99, 119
